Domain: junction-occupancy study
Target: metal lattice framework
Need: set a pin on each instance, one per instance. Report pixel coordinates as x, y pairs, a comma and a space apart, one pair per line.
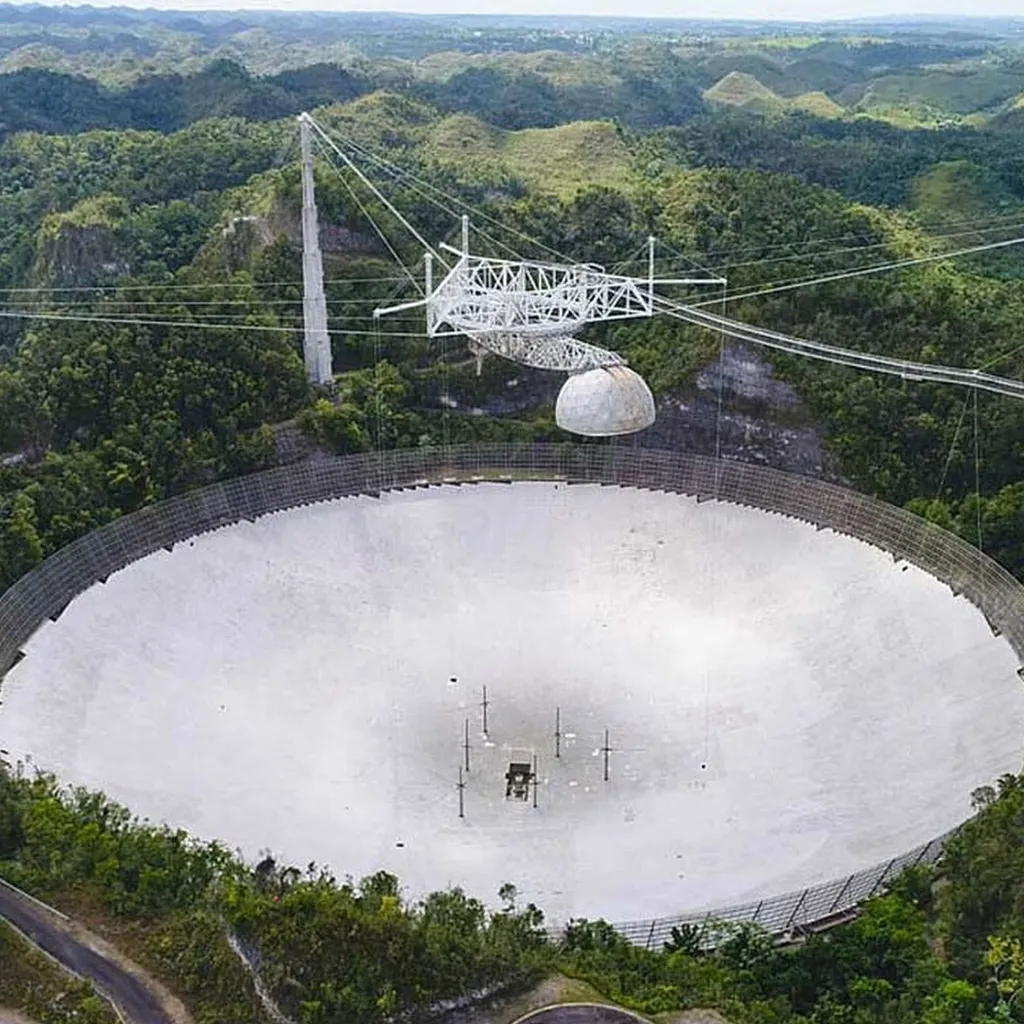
528, 312
46, 591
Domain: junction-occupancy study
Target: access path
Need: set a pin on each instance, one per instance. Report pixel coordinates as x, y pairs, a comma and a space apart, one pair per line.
136, 1003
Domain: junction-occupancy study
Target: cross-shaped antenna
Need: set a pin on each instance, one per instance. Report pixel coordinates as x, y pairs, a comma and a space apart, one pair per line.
461, 787
535, 781
465, 744
606, 750
484, 704
558, 732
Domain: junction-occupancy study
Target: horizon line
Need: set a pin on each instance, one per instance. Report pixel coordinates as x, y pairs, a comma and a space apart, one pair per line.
935, 18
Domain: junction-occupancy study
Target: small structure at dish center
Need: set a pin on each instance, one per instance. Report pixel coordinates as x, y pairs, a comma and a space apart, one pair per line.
488, 763
521, 774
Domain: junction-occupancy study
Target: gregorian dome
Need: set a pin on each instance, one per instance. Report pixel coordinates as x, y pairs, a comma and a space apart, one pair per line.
604, 402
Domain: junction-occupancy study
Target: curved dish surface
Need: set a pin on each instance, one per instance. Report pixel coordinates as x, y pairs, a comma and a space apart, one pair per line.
784, 705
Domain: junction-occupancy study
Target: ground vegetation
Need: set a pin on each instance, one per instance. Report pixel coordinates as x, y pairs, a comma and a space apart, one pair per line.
39, 988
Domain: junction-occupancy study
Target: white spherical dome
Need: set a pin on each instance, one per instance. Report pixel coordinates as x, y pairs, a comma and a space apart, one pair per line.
604, 402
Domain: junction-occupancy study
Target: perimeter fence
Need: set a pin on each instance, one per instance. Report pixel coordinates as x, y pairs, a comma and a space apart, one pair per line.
45, 592
791, 914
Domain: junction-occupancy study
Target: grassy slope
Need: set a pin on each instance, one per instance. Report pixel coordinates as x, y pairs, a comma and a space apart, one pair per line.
739, 89
959, 189
817, 103
557, 68
917, 97
921, 98
930, 95
558, 160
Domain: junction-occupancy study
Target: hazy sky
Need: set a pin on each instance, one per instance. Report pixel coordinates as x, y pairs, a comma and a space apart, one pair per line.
754, 9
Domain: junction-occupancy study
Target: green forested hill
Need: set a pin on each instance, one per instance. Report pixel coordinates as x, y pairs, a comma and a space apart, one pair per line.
66, 71
47, 101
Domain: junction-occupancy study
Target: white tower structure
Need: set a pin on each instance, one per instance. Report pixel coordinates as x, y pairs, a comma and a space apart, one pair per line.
316, 342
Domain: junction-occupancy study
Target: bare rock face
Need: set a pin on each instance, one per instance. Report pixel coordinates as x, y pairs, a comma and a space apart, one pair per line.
246, 234
83, 245
82, 256
738, 409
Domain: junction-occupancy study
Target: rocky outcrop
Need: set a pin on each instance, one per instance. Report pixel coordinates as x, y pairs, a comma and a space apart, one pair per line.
83, 246
244, 235
758, 418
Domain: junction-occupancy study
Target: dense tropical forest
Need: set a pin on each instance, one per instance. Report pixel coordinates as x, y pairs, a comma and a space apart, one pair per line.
150, 312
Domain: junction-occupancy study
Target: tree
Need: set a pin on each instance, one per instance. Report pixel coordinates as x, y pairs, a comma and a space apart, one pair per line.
1005, 960
12, 833
20, 545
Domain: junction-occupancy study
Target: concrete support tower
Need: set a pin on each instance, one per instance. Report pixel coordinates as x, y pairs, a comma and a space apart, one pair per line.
316, 342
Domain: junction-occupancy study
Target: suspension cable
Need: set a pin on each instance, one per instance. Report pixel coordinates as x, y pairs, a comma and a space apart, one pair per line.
794, 257
423, 189
952, 446
864, 271
146, 322
469, 207
373, 223
202, 285
843, 356
373, 188
977, 480
995, 222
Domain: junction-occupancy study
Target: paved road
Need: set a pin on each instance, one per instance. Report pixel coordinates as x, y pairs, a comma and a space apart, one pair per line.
579, 1015
133, 999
